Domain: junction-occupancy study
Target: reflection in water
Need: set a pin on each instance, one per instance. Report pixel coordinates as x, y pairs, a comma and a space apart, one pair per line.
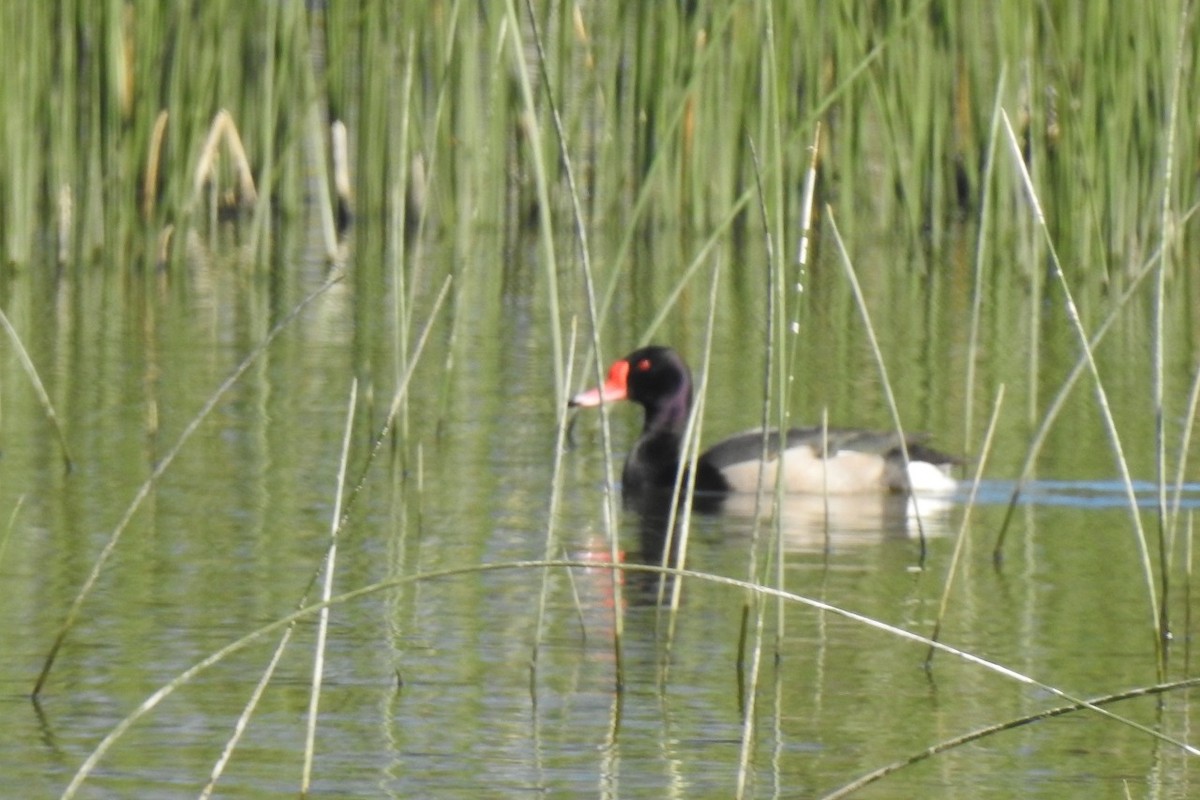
807, 521
811, 522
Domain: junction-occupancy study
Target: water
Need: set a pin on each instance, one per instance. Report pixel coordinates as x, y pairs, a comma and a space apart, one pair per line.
428, 688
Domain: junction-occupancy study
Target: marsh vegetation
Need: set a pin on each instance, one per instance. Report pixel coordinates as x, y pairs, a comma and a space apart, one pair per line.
294, 296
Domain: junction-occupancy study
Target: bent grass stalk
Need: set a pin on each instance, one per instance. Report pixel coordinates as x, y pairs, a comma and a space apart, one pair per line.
1000, 727
1101, 394
161, 467
153, 700
223, 130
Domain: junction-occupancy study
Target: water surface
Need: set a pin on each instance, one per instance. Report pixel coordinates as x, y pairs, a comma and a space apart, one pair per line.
428, 687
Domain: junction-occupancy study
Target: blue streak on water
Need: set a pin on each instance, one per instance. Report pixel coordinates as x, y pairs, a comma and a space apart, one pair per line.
1082, 494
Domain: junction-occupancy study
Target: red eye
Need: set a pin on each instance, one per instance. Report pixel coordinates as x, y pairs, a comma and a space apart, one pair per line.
643, 365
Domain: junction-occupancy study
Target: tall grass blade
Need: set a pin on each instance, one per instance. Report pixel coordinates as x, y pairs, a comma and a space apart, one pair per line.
1167, 231
610, 514
38, 387
981, 237
773, 348
327, 592
861, 302
964, 528
685, 487
1101, 394
1059, 402
552, 544
537, 153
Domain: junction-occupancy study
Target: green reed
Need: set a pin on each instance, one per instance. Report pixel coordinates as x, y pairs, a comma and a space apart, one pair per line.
659, 102
109, 107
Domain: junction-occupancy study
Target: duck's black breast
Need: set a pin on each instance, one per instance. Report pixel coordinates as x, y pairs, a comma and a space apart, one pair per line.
654, 462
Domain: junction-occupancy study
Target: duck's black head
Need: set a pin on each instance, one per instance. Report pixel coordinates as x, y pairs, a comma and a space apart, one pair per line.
655, 378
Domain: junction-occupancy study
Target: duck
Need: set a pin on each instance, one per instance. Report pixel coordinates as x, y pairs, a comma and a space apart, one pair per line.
815, 460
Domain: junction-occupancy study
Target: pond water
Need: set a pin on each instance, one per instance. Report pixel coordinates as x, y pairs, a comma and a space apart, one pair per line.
429, 687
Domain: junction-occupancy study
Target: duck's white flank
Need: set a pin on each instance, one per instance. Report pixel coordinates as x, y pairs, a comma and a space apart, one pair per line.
844, 472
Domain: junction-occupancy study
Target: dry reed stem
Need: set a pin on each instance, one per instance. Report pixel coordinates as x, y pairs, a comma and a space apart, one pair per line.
341, 162
153, 160
224, 131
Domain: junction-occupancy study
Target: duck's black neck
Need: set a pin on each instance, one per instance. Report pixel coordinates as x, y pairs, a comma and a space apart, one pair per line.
668, 414
654, 458
654, 461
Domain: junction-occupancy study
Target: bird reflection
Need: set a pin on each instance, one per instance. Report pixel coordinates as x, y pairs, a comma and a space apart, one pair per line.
807, 522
